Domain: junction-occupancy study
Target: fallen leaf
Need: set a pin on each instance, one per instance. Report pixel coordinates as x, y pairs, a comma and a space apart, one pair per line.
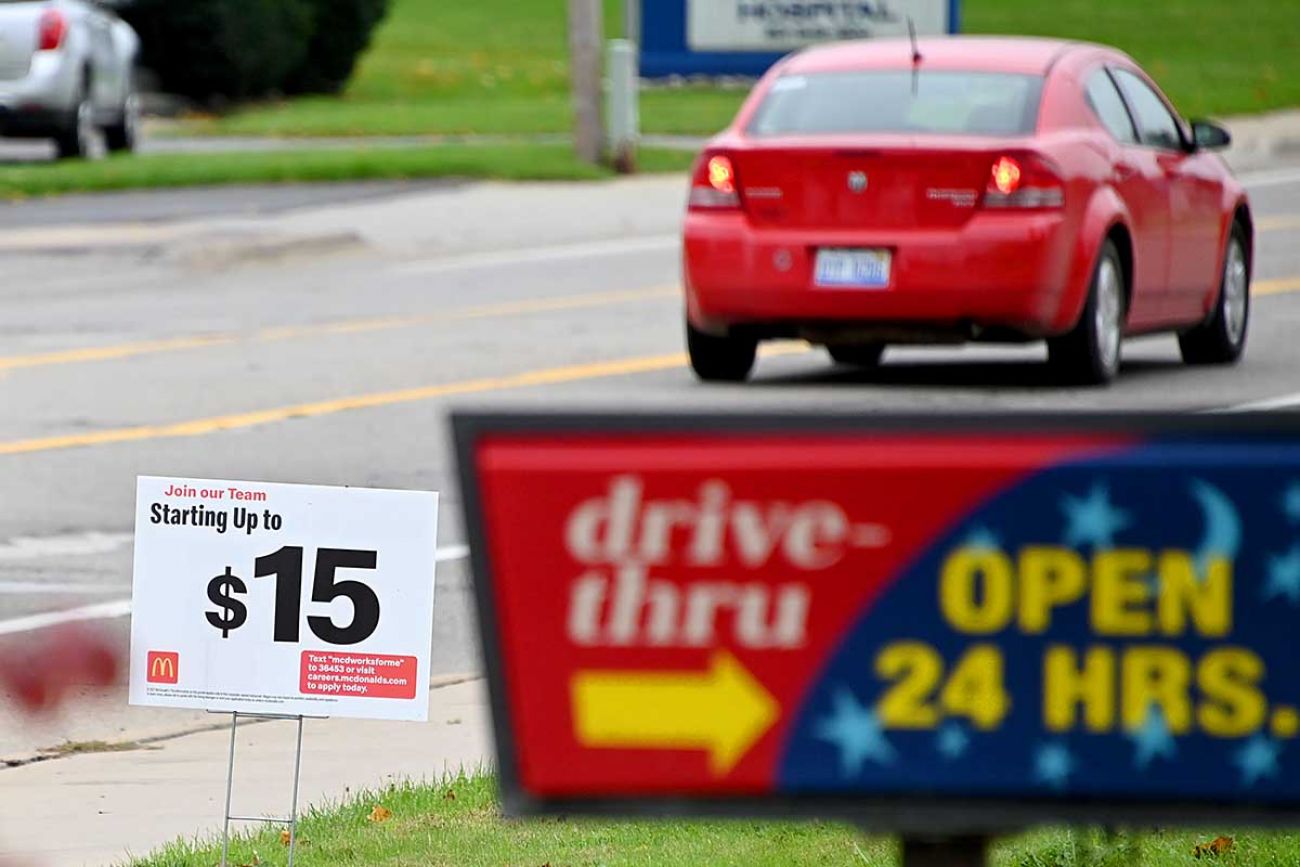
380, 814
1216, 847
285, 839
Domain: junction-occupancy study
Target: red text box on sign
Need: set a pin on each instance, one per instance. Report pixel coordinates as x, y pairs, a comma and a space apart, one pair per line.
357, 675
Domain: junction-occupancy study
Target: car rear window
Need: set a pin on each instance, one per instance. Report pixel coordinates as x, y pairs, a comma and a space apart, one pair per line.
960, 103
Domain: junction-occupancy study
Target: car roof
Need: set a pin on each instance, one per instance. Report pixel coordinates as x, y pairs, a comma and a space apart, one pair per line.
1016, 54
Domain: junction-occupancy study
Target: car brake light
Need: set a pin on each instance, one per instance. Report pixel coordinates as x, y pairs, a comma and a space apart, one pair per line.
714, 185
1006, 176
53, 27
1025, 182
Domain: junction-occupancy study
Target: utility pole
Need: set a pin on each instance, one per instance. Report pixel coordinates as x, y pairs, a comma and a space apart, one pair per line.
586, 35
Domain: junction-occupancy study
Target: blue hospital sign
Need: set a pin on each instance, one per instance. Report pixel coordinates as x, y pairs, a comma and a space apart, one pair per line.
778, 25
745, 37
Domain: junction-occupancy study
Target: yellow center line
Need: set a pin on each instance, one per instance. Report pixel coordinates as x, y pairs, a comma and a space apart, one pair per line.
236, 421
1279, 223
1275, 287
352, 326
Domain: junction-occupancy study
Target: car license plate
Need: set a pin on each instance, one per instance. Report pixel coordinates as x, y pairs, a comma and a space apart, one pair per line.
852, 269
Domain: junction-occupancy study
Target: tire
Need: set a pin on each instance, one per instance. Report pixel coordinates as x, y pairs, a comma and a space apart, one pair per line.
1221, 339
1090, 353
77, 139
857, 354
720, 359
122, 136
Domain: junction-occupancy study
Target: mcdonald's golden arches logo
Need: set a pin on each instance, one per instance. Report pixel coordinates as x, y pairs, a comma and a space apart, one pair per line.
163, 666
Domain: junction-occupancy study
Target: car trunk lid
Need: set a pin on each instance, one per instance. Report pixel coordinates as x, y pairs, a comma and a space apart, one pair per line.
891, 183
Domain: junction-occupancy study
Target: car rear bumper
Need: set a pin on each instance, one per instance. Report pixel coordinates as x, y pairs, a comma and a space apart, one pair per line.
1001, 272
44, 99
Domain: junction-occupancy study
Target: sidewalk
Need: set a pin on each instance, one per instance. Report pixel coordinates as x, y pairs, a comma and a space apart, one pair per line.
423, 223
97, 809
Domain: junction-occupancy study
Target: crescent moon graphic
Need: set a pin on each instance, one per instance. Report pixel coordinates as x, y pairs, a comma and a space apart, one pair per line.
1222, 525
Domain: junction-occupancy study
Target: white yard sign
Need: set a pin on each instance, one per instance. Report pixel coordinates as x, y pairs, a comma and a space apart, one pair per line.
785, 25
282, 599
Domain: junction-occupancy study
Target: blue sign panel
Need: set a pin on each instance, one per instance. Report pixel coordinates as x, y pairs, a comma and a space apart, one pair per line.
745, 37
1117, 628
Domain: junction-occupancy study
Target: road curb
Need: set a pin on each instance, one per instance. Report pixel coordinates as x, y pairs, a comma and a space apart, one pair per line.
188, 244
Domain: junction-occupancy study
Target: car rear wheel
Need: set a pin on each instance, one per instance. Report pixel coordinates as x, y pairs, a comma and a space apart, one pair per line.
1222, 338
1090, 354
122, 136
720, 359
857, 354
77, 139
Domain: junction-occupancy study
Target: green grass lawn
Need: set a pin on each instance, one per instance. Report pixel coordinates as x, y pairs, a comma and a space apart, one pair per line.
457, 824
498, 66
506, 162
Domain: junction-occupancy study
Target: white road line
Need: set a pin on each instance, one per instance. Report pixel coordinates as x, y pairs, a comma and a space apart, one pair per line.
1271, 179
14, 588
67, 545
100, 611
122, 607
529, 255
451, 552
1286, 401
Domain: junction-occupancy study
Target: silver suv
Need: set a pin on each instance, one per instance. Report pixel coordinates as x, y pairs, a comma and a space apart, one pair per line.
66, 72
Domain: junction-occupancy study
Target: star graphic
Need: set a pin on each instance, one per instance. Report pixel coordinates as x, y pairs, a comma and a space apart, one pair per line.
952, 741
1053, 765
1291, 502
1284, 576
1152, 739
1093, 519
856, 732
980, 536
1257, 758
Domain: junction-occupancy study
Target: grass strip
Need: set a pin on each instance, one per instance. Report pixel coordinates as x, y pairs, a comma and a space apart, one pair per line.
458, 822
505, 162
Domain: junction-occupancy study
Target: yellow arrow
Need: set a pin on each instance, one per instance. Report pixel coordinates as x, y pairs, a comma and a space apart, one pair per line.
723, 710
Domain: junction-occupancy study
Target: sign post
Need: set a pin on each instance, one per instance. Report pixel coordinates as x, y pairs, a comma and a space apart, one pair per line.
221, 620
586, 38
942, 627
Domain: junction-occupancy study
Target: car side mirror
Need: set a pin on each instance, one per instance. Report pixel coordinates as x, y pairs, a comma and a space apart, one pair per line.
1210, 136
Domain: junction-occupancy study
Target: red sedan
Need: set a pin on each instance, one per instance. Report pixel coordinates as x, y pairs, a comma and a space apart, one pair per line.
876, 193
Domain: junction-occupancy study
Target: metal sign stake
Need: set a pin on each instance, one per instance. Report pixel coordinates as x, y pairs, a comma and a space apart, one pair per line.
969, 851
292, 820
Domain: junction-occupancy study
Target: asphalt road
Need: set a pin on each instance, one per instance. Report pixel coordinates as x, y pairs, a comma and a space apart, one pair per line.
123, 363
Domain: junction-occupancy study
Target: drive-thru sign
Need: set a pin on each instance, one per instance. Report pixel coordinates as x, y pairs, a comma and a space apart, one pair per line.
927, 623
282, 599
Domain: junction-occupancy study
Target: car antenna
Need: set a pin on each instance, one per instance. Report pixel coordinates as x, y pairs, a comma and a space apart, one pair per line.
916, 53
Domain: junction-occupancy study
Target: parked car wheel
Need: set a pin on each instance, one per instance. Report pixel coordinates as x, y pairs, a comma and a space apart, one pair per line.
1090, 353
77, 139
1222, 338
123, 135
720, 359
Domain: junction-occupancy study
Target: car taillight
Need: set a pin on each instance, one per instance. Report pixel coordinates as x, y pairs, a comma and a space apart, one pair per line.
1024, 181
714, 185
53, 27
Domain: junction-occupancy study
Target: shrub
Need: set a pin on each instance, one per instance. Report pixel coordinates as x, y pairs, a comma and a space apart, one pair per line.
219, 51
341, 33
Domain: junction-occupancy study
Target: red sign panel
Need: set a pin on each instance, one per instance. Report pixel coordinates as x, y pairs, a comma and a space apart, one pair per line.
1059, 612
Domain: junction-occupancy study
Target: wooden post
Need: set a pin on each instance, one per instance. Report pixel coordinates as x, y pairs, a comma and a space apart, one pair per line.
585, 38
